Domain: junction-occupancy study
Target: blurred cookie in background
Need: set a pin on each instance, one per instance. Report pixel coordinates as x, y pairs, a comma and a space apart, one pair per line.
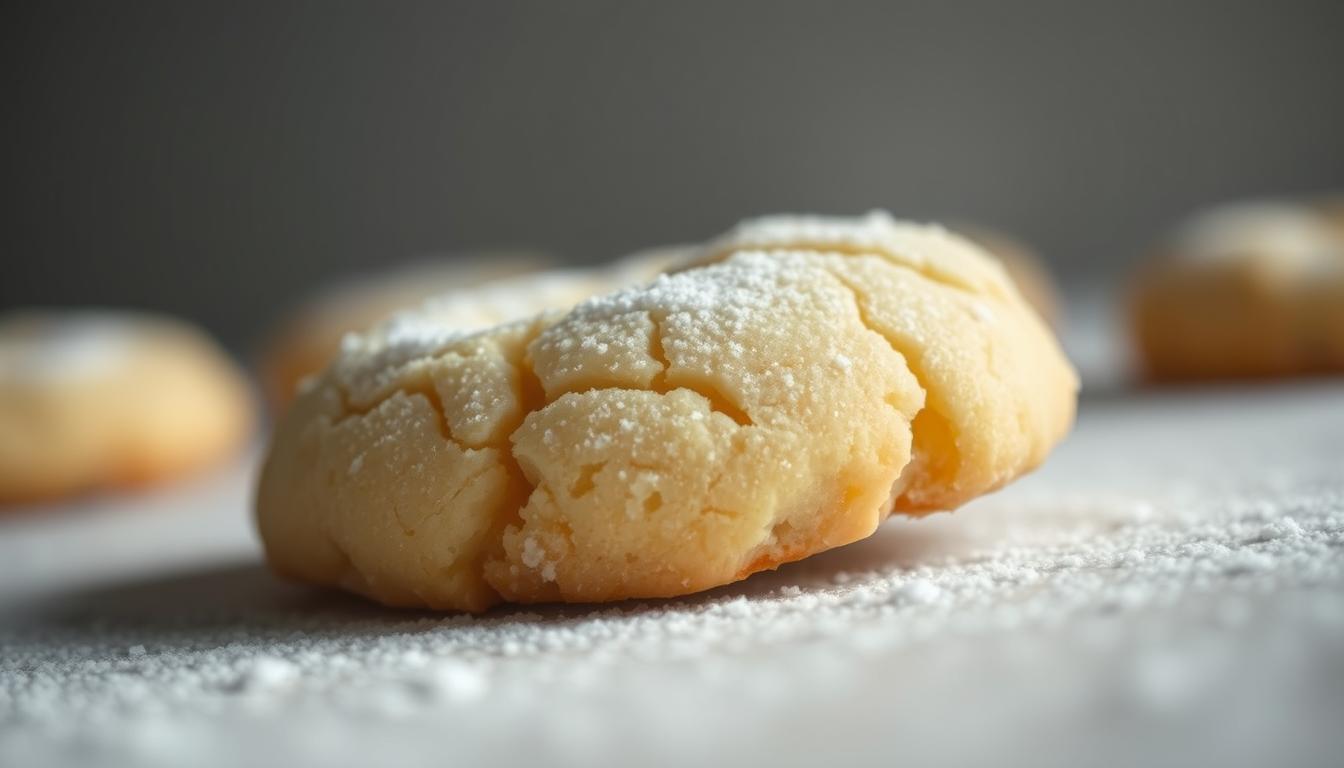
648, 263
101, 399
1025, 268
311, 335
1328, 294
1332, 208
1243, 291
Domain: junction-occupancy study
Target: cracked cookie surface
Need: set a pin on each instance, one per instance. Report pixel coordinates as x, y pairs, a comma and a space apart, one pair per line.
782, 399
310, 336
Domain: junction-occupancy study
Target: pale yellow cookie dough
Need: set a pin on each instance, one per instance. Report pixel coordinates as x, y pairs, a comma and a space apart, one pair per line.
1249, 290
97, 399
672, 437
310, 337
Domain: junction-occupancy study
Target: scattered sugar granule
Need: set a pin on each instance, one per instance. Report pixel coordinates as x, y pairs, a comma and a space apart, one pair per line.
268, 673
457, 681
533, 554
920, 592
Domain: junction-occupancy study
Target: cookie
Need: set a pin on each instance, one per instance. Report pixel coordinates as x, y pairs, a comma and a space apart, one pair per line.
1332, 208
92, 400
783, 398
1244, 291
311, 336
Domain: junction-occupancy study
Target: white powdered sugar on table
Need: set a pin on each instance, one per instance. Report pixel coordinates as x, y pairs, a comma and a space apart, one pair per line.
1168, 589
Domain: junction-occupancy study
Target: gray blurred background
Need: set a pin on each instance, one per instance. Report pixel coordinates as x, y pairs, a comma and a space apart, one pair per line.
215, 160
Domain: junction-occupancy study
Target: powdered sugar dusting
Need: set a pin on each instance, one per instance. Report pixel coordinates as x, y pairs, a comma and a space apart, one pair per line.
1167, 589
927, 248
371, 359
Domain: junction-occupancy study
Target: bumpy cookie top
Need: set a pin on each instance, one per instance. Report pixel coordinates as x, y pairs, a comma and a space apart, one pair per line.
671, 437
370, 360
928, 249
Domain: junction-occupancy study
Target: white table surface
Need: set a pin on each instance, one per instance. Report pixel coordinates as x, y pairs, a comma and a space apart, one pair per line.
1167, 590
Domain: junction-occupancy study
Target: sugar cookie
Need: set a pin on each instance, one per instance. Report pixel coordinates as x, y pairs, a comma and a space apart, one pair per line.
661, 440
1248, 290
311, 336
98, 399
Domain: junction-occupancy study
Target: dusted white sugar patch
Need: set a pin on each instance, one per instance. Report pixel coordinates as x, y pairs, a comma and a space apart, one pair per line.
926, 248
268, 673
370, 359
